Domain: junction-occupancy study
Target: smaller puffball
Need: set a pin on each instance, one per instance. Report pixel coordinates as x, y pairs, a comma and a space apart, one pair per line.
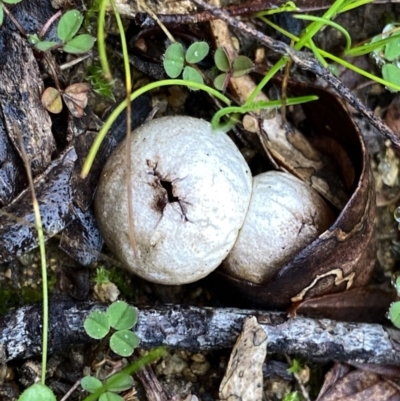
285, 215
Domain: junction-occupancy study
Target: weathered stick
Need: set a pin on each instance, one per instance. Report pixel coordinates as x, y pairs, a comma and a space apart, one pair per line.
200, 329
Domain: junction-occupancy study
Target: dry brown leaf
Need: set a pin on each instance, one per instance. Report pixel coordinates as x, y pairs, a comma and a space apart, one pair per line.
359, 305
341, 384
51, 100
76, 97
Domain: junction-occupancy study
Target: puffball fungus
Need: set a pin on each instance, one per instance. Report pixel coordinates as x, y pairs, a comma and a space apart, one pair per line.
284, 216
191, 188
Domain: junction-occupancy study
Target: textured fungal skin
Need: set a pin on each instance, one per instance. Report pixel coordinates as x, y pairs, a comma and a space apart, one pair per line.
191, 188
284, 216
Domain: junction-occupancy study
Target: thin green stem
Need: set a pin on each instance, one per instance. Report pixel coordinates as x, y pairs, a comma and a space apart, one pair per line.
360, 71
124, 45
355, 4
39, 229
274, 69
312, 29
327, 22
337, 59
317, 53
45, 290
369, 47
215, 122
289, 6
128, 88
101, 40
107, 125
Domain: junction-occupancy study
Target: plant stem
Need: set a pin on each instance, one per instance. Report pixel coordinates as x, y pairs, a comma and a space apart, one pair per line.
311, 31
107, 125
128, 88
274, 69
330, 23
39, 228
215, 122
101, 41
46, 26
12, 18
334, 58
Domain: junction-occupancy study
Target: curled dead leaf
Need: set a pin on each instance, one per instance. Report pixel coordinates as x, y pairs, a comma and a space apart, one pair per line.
76, 97
343, 256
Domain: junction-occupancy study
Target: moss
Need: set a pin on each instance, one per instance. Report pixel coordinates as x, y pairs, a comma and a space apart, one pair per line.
118, 276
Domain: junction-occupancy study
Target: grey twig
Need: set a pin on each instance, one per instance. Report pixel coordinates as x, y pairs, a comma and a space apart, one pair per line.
201, 329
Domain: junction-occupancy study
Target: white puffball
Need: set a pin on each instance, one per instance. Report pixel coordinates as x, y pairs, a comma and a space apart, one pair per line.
284, 216
191, 188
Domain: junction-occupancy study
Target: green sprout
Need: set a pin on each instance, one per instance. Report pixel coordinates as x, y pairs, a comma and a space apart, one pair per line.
67, 30
121, 317
120, 382
176, 61
385, 45
293, 396
239, 67
99, 83
295, 367
102, 276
